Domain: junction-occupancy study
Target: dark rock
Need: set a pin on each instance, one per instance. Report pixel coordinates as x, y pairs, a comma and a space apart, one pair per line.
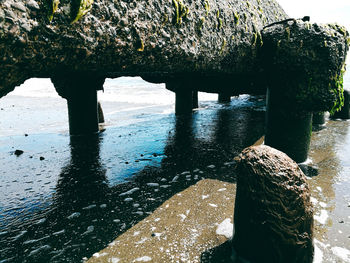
273, 214
18, 152
42, 158
305, 63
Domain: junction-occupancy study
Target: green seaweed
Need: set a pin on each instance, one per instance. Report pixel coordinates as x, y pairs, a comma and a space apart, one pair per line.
141, 46
207, 7
337, 87
288, 33
201, 23
236, 17
180, 11
53, 5
223, 45
80, 8
219, 19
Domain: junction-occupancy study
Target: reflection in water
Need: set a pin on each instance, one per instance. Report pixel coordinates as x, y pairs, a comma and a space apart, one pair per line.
87, 211
329, 152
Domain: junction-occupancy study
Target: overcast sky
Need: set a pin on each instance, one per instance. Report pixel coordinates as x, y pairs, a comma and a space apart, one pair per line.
324, 11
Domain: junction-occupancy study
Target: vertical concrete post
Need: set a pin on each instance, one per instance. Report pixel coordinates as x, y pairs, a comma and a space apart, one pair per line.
318, 118
101, 118
224, 97
183, 101
195, 99
287, 129
80, 91
344, 113
82, 112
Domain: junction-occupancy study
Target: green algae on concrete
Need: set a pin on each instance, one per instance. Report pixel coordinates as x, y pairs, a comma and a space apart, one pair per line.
305, 73
180, 230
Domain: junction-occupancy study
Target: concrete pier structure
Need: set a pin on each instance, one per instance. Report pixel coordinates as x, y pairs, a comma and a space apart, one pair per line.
81, 94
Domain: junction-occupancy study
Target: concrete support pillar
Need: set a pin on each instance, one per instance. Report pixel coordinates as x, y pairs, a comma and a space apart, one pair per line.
318, 118
287, 129
183, 101
344, 113
224, 97
80, 91
82, 113
101, 118
195, 99
186, 98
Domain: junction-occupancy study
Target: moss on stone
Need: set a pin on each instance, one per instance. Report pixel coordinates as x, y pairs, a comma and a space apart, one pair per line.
236, 18
80, 8
223, 45
141, 45
288, 33
201, 23
53, 5
337, 87
180, 11
207, 7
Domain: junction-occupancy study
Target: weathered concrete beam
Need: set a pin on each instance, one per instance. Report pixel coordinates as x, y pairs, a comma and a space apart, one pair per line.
131, 38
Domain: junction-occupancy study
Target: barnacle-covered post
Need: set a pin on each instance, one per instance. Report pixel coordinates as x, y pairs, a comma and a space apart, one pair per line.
224, 97
318, 118
304, 65
186, 98
80, 91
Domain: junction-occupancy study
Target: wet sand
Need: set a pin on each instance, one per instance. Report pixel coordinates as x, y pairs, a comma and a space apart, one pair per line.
87, 191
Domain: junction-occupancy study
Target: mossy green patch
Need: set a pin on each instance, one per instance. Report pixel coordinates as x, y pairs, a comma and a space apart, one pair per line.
80, 8
207, 7
337, 87
181, 11
236, 18
52, 8
223, 46
288, 33
219, 19
141, 46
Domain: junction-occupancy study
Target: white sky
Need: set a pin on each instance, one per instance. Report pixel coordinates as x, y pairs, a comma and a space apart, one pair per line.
322, 11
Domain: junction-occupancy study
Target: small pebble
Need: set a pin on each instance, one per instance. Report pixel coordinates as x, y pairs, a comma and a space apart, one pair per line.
18, 152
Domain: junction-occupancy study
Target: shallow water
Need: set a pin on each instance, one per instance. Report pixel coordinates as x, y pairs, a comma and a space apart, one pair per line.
88, 190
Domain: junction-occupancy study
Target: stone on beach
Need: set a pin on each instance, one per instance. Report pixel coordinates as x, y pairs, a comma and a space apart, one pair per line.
273, 213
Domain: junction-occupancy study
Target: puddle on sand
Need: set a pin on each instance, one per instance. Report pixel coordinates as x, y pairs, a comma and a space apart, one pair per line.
87, 191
